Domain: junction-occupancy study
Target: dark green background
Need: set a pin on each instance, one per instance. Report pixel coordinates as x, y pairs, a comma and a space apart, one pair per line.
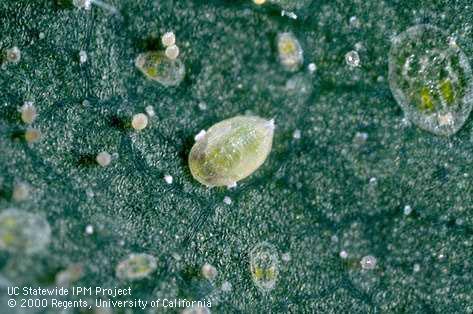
311, 199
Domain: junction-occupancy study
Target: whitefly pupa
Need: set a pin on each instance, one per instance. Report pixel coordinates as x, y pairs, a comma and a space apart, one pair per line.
431, 79
156, 66
290, 52
264, 266
23, 232
136, 266
231, 150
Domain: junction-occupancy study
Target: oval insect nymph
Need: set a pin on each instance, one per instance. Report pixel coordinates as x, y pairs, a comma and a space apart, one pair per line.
136, 266
23, 232
158, 67
231, 150
290, 52
431, 79
264, 266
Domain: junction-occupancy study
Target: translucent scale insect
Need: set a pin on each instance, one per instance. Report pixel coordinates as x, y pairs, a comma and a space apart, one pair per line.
231, 150
431, 79
156, 66
290, 52
264, 266
136, 266
23, 232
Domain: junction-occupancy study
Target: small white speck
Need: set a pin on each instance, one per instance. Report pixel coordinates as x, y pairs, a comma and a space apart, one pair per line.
139, 121
297, 134
89, 193
209, 272
13, 55
452, 42
358, 46
172, 52
445, 119
82, 4
226, 286
104, 159
312, 67
416, 268
168, 39
343, 254
352, 59
232, 185
200, 135
168, 178
176, 256
289, 14
82, 56
150, 111
41, 35
89, 229
227, 200
202, 106
286, 257
360, 138
354, 22
368, 262
405, 122
32, 135
407, 210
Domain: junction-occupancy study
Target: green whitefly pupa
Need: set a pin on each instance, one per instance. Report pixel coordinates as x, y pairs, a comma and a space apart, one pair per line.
23, 232
136, 266
156, 66
231, 150
290, 52
431, 79
264, 266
